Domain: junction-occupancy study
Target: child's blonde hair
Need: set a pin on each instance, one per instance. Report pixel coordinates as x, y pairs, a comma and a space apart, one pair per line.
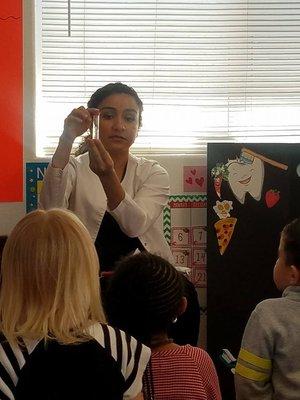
49, 279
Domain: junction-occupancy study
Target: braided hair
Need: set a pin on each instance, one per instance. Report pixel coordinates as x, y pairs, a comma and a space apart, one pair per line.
144, 295
291, 242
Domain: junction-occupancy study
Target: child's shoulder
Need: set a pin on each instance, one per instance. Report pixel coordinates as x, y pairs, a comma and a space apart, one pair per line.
290, 300
271, 306
196, 353
272, 302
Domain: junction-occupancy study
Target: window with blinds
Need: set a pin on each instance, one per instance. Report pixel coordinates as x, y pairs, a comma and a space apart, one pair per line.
206, 70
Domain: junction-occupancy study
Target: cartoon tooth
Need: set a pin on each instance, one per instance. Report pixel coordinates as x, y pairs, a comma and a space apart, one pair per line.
245, 177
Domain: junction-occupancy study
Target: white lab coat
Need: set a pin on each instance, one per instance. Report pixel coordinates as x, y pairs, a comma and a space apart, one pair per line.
146, 186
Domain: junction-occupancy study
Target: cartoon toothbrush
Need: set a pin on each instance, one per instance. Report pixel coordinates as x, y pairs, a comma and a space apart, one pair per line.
248, 155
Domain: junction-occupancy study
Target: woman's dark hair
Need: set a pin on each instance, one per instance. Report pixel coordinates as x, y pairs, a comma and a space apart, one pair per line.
115, 88
101, 94
144, 296
291, 242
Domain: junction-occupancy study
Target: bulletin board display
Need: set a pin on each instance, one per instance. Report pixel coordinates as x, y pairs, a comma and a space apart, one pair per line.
253, 190
11, 101
186, 233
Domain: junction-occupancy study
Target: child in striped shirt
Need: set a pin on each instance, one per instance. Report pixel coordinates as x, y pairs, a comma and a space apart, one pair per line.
54, 340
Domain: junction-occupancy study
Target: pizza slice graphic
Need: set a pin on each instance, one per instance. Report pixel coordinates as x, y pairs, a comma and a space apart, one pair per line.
224, 230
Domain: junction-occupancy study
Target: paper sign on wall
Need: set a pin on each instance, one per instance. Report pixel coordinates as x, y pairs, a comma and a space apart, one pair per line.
194, 179
11, 102
34, 180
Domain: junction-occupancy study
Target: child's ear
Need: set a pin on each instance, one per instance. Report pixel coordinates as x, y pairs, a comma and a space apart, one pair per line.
294, 275
182, 306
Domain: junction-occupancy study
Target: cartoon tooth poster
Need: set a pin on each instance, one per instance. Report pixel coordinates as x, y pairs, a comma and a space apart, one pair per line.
245, 175
246, 178
259, 194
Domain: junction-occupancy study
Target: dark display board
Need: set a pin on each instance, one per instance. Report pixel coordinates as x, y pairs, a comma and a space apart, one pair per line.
253, 190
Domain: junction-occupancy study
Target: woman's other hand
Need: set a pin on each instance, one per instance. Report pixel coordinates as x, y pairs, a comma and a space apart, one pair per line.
101, 162
103, 166
78, 122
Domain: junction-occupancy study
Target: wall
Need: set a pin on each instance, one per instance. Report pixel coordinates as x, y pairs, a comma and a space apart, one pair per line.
10, 213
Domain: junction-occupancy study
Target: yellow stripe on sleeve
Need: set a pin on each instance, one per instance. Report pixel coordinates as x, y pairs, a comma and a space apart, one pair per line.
250, 373
257, 361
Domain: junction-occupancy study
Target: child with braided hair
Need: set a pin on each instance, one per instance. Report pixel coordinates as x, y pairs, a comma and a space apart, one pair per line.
144, 298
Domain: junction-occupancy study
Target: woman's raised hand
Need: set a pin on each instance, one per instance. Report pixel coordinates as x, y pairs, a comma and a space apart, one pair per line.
78, 122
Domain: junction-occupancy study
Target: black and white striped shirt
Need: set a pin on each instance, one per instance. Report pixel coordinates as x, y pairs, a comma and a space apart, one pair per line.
110, 366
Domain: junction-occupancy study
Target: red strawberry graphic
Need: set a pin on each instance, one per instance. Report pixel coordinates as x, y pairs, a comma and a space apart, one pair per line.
272, 197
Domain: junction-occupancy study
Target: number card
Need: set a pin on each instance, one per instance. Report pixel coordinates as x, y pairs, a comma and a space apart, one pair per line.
180, 236
199, 257
198, 235
181, 257
199, 277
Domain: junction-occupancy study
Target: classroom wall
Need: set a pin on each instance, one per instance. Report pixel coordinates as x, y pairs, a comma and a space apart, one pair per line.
177, 166
10, 213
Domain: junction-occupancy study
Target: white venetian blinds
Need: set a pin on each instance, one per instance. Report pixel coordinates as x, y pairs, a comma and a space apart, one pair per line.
205, 69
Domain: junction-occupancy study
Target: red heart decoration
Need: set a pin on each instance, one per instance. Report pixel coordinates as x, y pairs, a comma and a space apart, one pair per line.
193, 171
189, 180
199, 181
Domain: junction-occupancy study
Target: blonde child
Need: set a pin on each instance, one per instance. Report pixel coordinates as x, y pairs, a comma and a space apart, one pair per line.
54, 340
268, 366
